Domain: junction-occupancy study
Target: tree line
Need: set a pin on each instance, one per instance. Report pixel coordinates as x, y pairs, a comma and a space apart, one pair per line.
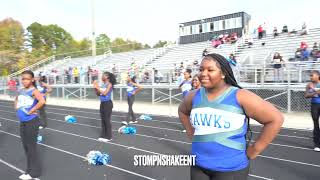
21, 47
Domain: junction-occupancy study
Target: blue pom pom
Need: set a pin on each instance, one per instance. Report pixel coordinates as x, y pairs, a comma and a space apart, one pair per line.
70, 119
39, 139
97, 158
145, 117
129, 130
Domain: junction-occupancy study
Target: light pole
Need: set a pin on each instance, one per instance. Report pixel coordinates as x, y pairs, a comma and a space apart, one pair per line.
93, 44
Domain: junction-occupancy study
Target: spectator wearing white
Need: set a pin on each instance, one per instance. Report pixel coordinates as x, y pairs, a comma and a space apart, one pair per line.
304, 30
277, 65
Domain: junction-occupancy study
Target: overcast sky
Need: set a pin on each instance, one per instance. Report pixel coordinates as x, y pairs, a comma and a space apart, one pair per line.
151, 20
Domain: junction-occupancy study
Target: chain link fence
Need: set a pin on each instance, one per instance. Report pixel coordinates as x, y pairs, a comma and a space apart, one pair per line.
285, 98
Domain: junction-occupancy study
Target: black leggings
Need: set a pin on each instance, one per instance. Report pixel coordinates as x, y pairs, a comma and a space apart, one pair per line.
130, 110
315, 113
43, 116
29, 132
105, 113
198, 173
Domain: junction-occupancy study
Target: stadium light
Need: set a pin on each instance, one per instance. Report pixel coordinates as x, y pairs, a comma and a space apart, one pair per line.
93, 44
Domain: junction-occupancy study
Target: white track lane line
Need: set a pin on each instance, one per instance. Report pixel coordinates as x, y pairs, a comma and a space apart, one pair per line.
295, 129
138, 149
85, 137
169, 129
11, 166
84, 158
130, 172
172, 140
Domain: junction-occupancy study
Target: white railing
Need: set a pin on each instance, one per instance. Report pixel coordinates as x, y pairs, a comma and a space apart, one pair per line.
35, 65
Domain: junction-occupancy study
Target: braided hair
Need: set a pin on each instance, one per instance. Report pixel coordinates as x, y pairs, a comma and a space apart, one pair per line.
224, 65
29, 72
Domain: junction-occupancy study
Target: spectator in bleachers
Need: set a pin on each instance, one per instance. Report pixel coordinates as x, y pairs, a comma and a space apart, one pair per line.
196, 65
232, 38
233, 64
204, 52
305, 54
260, 32
315, 49
145, 77
317, 56
181, 68
277, 65
298, 55
82, 75
75, 74
89, 73
70, 75
94, 75
264, 26
303, 45
12, 86
304, 30
196, 82
285, 29
275, 32
186, 85
115, 70
248, 40
157, 76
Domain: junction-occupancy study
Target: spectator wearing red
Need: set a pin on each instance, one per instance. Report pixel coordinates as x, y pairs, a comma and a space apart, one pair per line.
12, 85
260, 32
303, 46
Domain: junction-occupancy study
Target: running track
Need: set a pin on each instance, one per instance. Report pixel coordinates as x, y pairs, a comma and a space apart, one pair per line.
62, 152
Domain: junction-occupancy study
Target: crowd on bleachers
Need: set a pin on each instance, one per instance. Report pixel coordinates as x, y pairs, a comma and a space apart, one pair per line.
219, 41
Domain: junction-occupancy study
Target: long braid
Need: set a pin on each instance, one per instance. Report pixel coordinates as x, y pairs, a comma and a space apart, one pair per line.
231, 80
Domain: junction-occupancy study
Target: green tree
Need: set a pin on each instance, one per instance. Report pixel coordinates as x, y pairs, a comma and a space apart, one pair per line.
11, 35
146, 46
160, 44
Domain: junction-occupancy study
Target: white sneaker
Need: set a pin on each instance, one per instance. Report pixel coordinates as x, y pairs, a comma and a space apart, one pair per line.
104, 140
25, 177
133, 122
184, 131
40, 127
124, 123
317, 149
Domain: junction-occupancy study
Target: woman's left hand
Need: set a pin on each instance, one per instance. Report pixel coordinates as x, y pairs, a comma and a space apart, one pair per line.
252, 152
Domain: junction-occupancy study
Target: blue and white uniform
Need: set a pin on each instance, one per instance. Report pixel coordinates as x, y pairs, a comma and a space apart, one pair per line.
25, 103
107, 97
315, 99
186, 86
220, 127
131, 89
43, 90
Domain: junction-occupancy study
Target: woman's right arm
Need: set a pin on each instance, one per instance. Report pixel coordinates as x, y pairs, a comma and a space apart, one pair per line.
184, 113
308, 94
